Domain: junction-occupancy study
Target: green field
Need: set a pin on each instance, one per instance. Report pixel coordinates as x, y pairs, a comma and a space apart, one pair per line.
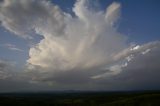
145, 98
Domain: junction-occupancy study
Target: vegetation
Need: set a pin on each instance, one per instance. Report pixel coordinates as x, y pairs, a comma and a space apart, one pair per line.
81, 99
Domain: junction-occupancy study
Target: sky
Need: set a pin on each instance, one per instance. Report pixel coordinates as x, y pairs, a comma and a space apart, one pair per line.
48, 45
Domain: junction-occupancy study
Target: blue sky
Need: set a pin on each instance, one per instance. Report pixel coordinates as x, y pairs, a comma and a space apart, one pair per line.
83, 45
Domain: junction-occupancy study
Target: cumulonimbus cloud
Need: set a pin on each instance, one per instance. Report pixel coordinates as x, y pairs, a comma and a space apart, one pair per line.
86, 45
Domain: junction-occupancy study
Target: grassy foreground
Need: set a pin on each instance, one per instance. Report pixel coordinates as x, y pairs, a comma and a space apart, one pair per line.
147, 98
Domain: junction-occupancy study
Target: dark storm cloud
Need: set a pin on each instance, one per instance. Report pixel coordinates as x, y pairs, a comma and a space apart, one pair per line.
141, 73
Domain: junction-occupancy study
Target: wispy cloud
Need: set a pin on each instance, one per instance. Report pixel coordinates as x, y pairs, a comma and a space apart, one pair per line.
12, 47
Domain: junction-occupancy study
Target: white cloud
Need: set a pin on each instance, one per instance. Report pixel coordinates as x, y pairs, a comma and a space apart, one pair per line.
113, 70
69, 42
12, 47
84, 48
26, 17
113, 13
146, 51
86, 43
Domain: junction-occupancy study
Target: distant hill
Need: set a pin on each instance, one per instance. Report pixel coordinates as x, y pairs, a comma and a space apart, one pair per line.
135, 98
